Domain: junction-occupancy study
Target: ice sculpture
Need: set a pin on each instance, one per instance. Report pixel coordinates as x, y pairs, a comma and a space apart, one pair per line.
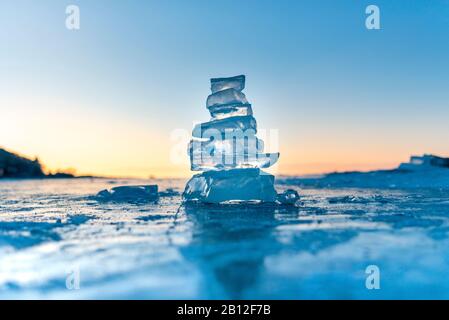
228, 152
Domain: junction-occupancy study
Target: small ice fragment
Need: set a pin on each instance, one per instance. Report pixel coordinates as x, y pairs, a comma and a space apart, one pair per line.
238, 185
289, 197
220, 84
226, 97
230, 110
219, 127
129, 194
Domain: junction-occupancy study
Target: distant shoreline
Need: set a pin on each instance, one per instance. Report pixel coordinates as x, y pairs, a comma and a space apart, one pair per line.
14, 166
50, 178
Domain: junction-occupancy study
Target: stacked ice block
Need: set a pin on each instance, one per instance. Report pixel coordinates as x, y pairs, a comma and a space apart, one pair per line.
228, 151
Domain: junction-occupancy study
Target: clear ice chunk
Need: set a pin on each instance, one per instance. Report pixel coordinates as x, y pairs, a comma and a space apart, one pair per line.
226, 97
248, 144
217, 128
230, 186
288, 197
220, 84
230, 110
129, 194
202, 161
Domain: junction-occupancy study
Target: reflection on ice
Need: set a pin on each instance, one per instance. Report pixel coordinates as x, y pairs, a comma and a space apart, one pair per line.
168, 250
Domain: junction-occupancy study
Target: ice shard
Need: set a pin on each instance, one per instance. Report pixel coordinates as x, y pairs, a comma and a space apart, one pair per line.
220, 84
129, 194
288, 197
250, 144
232, 125
229, 153
203, 161
239, 185
230, 110
226, 97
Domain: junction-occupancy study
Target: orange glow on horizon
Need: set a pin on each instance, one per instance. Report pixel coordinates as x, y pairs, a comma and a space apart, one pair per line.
96, 144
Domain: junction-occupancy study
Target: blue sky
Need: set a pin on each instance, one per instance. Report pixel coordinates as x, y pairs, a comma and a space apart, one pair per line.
343, 97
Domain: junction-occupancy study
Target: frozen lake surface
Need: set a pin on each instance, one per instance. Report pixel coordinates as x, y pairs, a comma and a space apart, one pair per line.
51, 231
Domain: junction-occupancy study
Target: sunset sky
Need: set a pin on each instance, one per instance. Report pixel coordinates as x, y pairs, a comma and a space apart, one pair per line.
106, 99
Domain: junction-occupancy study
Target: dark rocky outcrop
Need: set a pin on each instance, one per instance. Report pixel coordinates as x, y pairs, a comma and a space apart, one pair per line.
15, 166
